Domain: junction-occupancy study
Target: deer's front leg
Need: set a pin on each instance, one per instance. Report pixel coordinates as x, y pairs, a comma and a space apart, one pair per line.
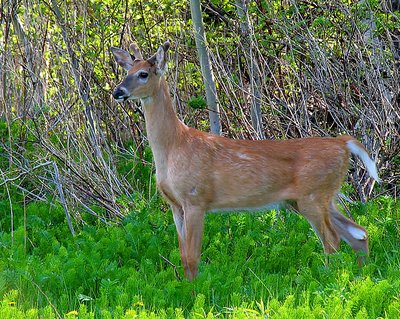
178, 220
189, 223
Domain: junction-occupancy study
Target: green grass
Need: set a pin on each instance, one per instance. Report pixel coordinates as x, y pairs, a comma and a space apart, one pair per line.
253, 266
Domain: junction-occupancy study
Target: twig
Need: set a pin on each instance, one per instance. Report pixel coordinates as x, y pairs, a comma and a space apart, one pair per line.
25, 172
62, 198
173, 266
341, 197
47, 298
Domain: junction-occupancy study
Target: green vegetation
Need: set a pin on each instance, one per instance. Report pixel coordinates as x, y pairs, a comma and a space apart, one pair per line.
263, 265
72, 159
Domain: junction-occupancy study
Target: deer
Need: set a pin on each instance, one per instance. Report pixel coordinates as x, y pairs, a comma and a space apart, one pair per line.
199, 172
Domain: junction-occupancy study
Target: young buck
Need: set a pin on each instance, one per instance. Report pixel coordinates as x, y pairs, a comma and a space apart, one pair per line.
198, 172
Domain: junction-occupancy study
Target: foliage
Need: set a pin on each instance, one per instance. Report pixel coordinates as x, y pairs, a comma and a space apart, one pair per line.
197, 102
253, 265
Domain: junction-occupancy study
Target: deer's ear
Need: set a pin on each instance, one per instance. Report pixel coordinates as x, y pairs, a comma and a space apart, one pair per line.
159, 59
123, 58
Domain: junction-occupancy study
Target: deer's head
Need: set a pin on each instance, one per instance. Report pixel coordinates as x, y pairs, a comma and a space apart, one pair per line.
142, 75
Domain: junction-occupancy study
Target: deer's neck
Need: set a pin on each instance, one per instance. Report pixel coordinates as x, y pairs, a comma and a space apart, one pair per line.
162, 125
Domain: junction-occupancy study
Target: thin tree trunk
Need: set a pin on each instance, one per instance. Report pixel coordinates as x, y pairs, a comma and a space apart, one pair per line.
255, 81
35, 94
80, 82
206, 70
395, 6
5, 23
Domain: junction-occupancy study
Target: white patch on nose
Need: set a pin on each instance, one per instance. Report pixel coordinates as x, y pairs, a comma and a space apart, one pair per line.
357, 233
124, 94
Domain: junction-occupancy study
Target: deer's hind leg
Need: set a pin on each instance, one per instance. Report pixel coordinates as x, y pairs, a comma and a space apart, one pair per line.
352, 233
316, 211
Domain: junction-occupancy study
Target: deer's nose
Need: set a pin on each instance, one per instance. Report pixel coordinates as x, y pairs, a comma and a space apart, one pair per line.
120, 94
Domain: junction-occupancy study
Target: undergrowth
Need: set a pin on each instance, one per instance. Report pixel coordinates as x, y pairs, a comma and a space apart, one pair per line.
263, 265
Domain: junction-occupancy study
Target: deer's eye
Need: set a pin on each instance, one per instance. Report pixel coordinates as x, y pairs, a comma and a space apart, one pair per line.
143, 75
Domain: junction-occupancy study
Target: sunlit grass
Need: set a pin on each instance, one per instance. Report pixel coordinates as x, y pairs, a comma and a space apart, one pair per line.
252, 266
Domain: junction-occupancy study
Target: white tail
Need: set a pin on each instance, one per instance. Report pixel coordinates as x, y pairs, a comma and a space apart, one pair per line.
358, 149
199, 172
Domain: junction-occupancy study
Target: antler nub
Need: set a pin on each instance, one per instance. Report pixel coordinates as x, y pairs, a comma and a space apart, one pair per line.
166, 46
136, 52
